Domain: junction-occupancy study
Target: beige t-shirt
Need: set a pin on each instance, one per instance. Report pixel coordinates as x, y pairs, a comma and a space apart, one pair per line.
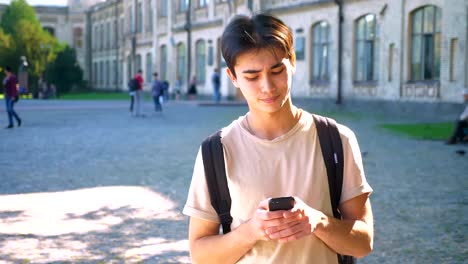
290, 165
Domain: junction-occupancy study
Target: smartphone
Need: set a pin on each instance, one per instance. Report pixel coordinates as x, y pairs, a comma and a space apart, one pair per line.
281, 203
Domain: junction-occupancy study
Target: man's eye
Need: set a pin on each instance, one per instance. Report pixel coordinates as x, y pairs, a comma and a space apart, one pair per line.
253, 78
278, 71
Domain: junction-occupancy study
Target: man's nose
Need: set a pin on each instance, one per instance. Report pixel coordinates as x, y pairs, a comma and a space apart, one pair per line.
268, 84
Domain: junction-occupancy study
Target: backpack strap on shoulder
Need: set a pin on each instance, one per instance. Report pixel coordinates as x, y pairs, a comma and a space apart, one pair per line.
215, 173
332, 151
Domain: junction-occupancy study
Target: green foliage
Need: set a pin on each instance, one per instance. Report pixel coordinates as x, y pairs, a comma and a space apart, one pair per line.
26, 37
65, 71
432, 131
17, 10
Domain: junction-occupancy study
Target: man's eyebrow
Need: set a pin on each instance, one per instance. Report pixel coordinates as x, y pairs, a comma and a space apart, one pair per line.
277, 65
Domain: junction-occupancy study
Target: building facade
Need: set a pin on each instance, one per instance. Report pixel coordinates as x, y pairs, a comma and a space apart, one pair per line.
367, 49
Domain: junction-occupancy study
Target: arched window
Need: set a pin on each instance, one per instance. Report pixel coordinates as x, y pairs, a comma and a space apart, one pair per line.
149, 67
138, 63
181, 61
321, 51
425, 43
51, 30
367, 59
77, 37
201, 60
182, 6
163, 62
129, 67
139, 17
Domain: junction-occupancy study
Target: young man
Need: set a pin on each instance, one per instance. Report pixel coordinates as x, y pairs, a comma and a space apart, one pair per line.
138, 94
11, 95
274, 151
215, 80
157, 90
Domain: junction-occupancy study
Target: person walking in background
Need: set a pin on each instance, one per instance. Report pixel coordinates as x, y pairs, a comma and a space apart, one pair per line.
192, 91
215, 80
460, 133
138, 94
273, 151
178, 88
10, 84
157, 91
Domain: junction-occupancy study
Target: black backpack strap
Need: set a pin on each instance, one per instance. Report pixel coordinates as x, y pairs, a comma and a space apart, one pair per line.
332, 151
215, 173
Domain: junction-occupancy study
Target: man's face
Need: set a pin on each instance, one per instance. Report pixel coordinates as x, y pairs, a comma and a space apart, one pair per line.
264, 77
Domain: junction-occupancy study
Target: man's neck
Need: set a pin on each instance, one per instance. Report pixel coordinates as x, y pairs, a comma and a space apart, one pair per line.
272, 125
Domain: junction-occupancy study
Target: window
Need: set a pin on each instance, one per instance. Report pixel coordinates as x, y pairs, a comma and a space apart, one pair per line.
129, 68
299, 48
453, 52
202, 3
201, 60
139, 17
108, 35
51, 30
366, 61
130, 20
183, 5
181, 61
78, 37
390, 61
95, 73
107, 73
321, 52
114, 72
149, 67
150, 16
163, 8
425, 43
163, 62
138, 63
101, 37
95, 36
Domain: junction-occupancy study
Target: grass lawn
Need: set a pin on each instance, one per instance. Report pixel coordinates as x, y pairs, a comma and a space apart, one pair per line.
95, 96
432, 131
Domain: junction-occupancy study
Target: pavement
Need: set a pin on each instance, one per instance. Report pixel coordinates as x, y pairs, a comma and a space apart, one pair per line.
85, 182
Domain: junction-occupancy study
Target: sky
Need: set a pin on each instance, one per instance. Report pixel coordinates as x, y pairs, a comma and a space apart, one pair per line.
40, 2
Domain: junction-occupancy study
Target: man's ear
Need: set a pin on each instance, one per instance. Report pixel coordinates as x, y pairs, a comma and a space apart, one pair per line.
232, 77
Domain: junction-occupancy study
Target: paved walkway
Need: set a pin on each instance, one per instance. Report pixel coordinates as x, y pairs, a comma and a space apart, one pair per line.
84, 182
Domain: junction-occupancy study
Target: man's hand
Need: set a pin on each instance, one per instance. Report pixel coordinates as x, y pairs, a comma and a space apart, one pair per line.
296, 223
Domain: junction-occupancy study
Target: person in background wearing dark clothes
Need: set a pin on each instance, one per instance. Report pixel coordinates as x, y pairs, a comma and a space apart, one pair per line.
216, 85
157, 91
11, 96
192, 92
459, 134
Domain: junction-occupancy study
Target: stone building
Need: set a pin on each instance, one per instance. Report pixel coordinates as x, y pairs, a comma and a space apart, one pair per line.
367, 49
390, 49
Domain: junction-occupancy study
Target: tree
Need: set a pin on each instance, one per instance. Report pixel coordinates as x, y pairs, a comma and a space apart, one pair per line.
65, 71
19, 23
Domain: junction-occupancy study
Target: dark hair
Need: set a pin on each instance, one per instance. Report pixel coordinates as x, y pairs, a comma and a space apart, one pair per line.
253, 33
8, 68
139, 71
155, 74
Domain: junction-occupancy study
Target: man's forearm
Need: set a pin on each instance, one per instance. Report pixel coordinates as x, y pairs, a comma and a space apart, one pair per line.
346, 237
228, 248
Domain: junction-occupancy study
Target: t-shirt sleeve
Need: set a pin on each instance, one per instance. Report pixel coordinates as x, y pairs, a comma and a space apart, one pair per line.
198, 200
354, 179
